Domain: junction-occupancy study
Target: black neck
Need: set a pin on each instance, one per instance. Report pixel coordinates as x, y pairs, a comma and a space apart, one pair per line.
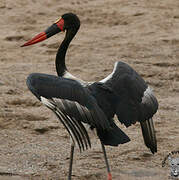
60, 57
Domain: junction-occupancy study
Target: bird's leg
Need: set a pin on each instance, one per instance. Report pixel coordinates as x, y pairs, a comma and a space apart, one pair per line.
71, 161
106, 161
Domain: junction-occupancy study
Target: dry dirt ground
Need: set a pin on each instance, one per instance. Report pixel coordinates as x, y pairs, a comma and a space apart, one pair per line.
142, 33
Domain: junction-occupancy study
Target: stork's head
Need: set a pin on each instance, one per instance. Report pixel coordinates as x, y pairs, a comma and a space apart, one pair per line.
71, 21
68, 21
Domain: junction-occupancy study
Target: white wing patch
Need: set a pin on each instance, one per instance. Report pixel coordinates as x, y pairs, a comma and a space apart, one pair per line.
110, 75
147, 94
46, 102
148, 91
70, 76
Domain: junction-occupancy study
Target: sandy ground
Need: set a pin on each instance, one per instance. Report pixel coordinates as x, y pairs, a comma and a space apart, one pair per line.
144, 34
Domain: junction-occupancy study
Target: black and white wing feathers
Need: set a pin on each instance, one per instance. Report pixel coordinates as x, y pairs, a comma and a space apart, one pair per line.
127, 95
74, 127
72, 104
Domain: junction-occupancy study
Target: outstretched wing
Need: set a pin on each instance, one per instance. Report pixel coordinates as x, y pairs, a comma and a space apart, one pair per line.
127, 95
72, 104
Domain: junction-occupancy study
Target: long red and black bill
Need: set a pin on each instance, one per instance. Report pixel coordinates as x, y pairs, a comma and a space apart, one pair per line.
52, 30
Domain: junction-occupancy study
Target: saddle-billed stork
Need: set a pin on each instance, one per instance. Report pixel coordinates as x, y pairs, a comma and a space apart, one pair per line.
77, 103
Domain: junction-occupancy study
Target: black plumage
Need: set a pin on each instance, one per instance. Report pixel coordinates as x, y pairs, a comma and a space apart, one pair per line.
123, 93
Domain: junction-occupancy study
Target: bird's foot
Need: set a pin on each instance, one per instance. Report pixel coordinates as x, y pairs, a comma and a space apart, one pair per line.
109, 176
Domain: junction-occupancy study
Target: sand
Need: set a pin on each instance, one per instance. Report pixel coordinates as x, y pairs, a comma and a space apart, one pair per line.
142, 33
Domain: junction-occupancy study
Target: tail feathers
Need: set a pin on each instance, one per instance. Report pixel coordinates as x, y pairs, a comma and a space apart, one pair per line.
149, 135
113, 137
